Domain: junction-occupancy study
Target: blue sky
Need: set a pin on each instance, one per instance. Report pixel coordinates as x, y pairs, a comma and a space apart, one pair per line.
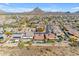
22, 7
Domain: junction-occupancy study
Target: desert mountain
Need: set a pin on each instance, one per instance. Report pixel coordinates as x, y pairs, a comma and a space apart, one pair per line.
2, 11
37, 11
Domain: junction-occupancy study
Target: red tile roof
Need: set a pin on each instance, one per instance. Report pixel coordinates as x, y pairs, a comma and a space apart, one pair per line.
38, 37
50, 36
74, 32
42, 36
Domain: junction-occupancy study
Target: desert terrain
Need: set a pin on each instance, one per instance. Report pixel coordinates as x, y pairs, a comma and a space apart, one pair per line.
39, 51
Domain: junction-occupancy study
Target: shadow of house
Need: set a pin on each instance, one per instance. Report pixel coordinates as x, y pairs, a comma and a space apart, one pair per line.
1, 36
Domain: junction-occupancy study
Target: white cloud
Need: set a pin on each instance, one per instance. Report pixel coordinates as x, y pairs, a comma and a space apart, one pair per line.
19, 9
7, 3
74, 9
6, 8
3, 7
51, 9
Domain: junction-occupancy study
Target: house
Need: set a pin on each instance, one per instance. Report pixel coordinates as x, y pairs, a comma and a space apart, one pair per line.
58, 31
73, 32
42, 36
27, 36
16, 36
50, 36
38, 38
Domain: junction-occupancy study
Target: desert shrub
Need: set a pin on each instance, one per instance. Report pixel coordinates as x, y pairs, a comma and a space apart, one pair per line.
73, 41
48, 49
30, 43
8, 33
40, 42
73, 44
60, 39
13, 41
40, 29
21, 44
1, 40
51, 41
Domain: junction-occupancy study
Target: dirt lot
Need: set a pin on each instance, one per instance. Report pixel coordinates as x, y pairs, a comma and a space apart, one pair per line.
39, 51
